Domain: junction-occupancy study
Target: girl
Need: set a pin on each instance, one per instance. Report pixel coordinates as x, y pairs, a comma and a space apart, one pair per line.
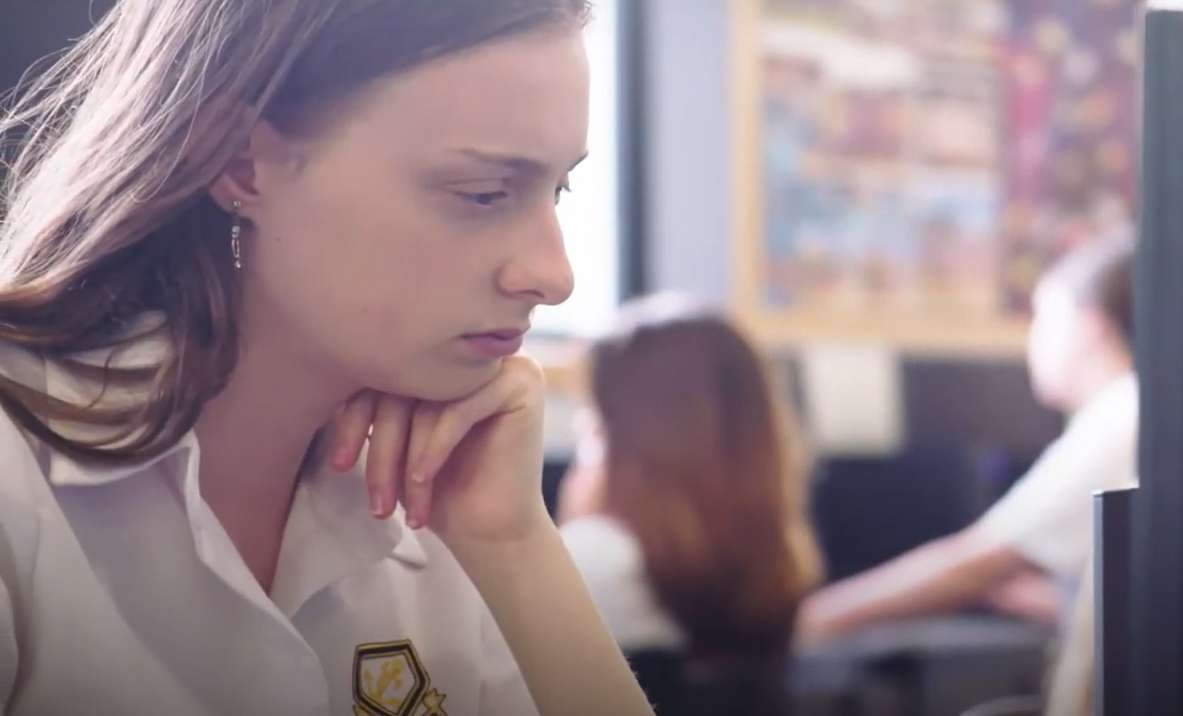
226, 224
685, 509
1080, 362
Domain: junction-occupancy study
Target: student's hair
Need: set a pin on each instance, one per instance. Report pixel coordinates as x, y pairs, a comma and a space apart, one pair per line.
104, 213
705, 466
1100, 275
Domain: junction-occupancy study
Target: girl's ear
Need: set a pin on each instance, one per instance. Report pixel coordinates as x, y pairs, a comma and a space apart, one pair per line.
249, 174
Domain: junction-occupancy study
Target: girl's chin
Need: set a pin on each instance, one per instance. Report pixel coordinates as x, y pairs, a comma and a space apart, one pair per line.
440, 384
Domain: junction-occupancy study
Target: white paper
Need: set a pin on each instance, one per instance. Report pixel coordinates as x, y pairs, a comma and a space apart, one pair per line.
853, 399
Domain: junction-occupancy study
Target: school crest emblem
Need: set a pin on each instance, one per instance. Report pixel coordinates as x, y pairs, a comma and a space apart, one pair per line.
389, 680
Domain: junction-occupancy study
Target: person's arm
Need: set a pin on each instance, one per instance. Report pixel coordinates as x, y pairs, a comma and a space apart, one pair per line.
471, 471
535, 594
1032, 595
941, 576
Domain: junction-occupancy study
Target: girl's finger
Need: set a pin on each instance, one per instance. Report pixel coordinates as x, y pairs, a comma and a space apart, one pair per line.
385, 461
417, 495
450, 427
348, 431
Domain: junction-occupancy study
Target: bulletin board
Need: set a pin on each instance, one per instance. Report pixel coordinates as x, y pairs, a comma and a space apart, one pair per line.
904, 171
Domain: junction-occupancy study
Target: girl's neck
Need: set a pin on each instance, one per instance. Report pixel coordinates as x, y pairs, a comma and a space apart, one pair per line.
1098, 374
254, 437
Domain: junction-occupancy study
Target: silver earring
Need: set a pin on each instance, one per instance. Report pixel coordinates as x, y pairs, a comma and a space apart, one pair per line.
236, 236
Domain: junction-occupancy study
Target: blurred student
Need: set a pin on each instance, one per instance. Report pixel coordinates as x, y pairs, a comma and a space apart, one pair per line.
1071, 678
684, 509
1079, 356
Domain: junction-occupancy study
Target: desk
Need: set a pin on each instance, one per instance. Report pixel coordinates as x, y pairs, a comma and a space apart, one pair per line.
930, 667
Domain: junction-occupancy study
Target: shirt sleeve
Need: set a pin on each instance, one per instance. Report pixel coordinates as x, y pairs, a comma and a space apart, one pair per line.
1048, 515
503, 689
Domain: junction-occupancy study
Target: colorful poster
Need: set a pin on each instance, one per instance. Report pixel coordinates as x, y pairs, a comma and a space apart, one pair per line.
926, 158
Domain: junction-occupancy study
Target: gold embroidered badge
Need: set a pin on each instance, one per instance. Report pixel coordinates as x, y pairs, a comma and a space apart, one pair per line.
389, 680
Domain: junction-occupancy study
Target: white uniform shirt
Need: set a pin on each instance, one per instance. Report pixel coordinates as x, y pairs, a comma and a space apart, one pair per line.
121, 594
1048, 515
610, 560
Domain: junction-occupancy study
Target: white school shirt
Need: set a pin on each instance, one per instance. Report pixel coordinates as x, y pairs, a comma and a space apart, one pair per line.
121, 594
609, 557
1048, 515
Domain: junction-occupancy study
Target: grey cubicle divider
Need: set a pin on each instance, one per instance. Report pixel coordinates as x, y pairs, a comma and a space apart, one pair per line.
1113, 688
1156, 597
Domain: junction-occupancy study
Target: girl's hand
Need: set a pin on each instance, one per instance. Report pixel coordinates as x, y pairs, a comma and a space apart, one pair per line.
470, 469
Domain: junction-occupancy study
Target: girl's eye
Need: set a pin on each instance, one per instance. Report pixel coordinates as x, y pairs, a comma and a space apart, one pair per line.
560, 190
484, 199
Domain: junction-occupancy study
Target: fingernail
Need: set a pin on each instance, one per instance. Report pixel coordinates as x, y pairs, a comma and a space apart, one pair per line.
376, 503
413, 523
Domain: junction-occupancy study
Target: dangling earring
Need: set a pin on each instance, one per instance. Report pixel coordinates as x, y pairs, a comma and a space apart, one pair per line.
236, 236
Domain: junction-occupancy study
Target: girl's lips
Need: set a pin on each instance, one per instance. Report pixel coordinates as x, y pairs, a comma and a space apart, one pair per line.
496, 344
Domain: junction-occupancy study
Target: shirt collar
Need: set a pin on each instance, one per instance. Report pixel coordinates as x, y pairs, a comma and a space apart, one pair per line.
1120, 392
331, 535
141, 343
334, 502
330, 532
65, 471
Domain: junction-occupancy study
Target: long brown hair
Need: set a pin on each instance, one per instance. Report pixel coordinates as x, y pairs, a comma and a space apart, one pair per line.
704, 466
104, 214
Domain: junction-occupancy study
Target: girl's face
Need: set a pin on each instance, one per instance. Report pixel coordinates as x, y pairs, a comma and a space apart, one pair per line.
405, 244
1062, 333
